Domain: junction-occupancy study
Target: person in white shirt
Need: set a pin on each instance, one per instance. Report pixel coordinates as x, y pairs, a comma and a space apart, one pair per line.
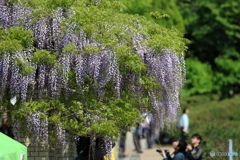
183, 124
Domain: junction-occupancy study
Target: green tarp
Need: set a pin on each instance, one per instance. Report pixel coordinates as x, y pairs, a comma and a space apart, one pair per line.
10, 149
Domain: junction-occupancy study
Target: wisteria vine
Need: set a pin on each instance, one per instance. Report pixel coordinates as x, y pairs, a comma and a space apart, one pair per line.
166, 67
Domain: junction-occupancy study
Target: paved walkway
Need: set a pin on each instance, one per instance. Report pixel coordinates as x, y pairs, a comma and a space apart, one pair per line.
148, 154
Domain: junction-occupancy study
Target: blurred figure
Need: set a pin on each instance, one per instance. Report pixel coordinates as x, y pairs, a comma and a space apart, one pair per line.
147, 130
179, 151
123, 142
84, 150
112, 155
194, 151
4, 126
137, 138
83, 145
100, 151
183, 124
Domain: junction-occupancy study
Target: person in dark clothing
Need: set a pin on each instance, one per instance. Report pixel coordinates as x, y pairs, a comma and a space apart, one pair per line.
179, 151
194, 151
137, 138
83, 145
4, 127
123, 142
100, 150
83, 148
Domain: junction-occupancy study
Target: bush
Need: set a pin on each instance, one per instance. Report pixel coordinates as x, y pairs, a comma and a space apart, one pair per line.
217, 121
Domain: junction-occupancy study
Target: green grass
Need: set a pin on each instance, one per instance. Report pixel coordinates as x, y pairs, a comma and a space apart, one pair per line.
217, 121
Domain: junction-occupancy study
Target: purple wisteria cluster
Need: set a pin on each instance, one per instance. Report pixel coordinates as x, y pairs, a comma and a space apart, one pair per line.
166, 67
61, 135
108, 145
39, 128
16, 129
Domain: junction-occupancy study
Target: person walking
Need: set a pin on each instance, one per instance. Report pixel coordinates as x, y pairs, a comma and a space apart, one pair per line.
183, 124
194, 151
137, 138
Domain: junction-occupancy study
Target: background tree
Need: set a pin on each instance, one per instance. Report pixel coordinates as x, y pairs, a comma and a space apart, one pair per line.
199, 78
93, 68
154, 9
214, 30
